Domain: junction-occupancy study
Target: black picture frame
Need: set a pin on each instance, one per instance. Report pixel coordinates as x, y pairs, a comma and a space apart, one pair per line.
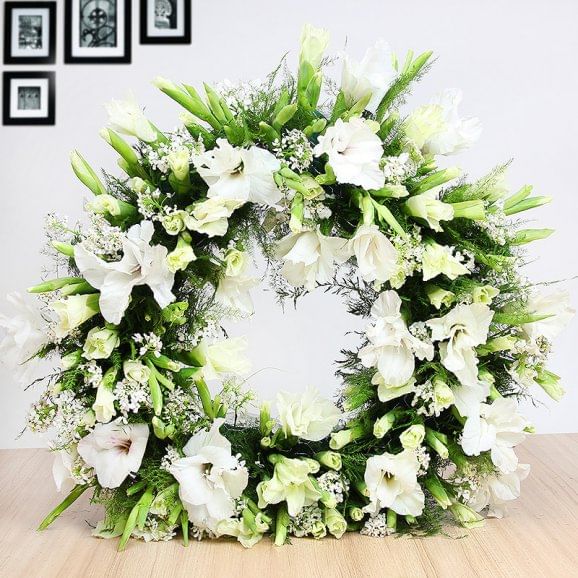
146, 38
8, 118
9, 57
69, 50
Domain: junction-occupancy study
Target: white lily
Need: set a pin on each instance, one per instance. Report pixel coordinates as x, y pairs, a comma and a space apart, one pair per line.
498, 428
354, 152
308, 416
376, 256
210, 217
141, 264
310, 257
234, 287
391, 481
557, 306
461, 330
392, 348
24, 335
210, 478
495, 491
291, 483
438, 129
244, 175
371, 76
62, 470
114, 450
223, 356
126, 117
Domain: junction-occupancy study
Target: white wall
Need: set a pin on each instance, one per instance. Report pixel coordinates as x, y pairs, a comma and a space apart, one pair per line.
514, 60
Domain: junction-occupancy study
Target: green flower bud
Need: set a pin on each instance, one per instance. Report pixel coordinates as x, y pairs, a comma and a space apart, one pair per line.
329, 459
335, 522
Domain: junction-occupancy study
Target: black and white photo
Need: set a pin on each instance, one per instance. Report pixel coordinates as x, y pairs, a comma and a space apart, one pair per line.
28, 98
97, 31
29, 32
165, 21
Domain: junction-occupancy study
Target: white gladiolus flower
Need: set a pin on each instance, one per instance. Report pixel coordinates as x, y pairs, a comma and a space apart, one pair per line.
498, 428
224, 356
387, 392
495, 491
354, 152
310, 257
462, 330
100, 343
23, 335
376, 256
392, 483
372, 76
392, 348
210, 217
126, 117
103, 405
438, 129
430, 209
114, 450
439, 259
62, 471
73, 311
210, 478
307, 416
141, 264
557, 305
314, 41
244, 175
290, 483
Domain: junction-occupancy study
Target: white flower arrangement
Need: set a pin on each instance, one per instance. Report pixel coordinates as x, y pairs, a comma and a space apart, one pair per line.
148, 405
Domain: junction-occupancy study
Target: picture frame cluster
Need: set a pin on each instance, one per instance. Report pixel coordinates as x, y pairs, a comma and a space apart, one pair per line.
95, 32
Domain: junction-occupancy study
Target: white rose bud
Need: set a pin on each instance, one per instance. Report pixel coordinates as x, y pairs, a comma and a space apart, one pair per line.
136, 371
412, 437
74, 311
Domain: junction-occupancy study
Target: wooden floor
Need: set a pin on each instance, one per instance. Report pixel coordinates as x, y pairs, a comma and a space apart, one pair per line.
539, 538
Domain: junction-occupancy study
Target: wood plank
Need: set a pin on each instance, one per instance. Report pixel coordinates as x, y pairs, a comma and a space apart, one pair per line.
538, 538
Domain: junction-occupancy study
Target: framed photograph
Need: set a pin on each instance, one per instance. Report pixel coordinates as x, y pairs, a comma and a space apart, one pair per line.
29, 32
28, 98
97, 31
165, 21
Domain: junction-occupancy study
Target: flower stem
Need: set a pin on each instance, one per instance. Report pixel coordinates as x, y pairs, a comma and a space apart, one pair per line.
76, 492
281, 525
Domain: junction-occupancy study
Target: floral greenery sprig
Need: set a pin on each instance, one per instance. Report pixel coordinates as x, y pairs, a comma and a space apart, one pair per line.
339, 192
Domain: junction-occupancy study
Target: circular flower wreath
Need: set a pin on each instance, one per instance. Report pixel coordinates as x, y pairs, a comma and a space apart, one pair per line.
339, 192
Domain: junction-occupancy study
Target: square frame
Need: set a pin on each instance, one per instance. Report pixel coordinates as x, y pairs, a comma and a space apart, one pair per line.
7, 94
10, 8
103, 55
147, 38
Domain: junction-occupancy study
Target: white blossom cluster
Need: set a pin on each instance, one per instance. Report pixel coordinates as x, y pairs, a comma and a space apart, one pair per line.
295, 149
149, 342
171, 456
70, 419
148, 204
240, 96
183, 408
158, 155
92, 373
132, 396
335, 484
102, 238
376, 527
410, 250
308, 522
155, 530
398, 169
497, 226
41, 415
